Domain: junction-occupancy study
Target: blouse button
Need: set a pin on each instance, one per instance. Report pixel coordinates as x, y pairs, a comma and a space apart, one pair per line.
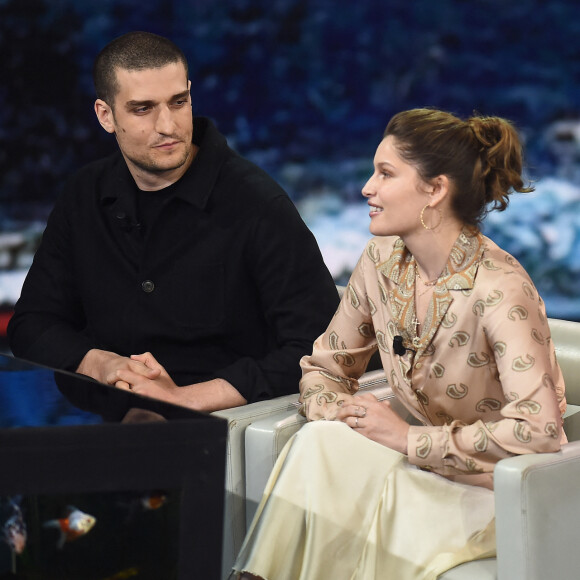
148, 286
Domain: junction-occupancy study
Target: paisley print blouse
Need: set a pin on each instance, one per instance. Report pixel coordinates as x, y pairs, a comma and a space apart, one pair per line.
482, 377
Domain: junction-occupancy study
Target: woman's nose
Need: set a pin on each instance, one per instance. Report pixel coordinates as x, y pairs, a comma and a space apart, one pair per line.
367, 190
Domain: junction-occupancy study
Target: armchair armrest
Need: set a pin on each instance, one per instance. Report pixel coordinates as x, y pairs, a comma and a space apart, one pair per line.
238, 419
264, 441
538, 514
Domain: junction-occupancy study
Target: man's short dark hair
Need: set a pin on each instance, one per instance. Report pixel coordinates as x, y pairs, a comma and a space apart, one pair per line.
132, 51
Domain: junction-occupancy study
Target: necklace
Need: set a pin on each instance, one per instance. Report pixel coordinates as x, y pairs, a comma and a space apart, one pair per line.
429, 282
428, 286
425, 290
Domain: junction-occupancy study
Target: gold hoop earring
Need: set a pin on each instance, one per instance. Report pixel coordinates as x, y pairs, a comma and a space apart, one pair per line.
421, 217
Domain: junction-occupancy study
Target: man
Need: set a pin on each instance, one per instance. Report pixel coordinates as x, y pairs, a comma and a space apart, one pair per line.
174, 267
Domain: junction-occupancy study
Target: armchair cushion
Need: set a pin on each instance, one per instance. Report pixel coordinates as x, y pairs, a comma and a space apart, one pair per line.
478, 570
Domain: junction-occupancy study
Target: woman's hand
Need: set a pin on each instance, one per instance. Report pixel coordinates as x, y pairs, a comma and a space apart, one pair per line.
376, 420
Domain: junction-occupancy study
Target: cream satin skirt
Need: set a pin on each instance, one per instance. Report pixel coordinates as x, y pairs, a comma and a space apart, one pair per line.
339, 506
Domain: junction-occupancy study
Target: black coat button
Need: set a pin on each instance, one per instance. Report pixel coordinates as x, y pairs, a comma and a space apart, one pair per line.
147, 286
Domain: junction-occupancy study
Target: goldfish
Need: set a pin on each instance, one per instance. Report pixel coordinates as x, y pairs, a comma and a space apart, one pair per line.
153, 500
14, 529
73, 526
135, 505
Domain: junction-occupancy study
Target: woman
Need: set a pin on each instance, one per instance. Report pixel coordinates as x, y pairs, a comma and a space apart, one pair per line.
464, 340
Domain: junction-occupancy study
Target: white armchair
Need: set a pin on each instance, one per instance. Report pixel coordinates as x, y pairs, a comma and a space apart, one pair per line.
537, 496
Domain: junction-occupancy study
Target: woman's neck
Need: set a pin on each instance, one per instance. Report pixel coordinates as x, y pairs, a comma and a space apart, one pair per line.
431, 249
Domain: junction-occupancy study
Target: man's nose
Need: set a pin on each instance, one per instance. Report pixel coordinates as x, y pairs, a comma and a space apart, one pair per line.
165, 123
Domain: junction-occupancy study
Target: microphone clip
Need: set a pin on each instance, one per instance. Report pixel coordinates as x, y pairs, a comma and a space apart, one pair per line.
398, 347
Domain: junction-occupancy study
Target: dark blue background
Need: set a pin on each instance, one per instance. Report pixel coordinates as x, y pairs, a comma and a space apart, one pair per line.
304, 88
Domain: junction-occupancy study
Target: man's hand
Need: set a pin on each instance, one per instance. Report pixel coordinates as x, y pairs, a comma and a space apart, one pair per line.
104, 367
159, 386
207, 396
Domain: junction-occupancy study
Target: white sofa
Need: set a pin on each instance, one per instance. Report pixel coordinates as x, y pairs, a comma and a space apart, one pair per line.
537, 496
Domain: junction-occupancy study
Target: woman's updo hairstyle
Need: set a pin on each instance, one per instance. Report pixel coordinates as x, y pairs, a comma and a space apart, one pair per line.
482, 157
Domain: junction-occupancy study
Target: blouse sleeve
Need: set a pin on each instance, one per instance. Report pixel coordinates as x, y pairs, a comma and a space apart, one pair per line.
340, 355
516, 336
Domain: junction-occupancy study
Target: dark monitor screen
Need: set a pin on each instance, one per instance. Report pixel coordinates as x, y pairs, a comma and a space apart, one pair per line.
32, 395
98, 482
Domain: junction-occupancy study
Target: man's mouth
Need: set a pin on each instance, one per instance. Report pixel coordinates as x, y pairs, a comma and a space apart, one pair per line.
166, 145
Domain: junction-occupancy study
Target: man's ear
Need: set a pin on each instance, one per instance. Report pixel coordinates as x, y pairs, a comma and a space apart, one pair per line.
105, 116
440, 190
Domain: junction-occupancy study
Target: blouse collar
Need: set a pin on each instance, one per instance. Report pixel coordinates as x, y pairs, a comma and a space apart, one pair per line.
459, 274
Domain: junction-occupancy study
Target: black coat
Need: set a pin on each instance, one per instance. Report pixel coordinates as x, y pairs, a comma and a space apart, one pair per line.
227, 282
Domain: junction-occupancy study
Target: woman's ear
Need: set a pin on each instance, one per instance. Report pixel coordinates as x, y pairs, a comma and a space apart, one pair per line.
105, 116
440, 190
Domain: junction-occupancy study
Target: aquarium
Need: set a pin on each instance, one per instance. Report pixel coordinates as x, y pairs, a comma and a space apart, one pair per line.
100, 483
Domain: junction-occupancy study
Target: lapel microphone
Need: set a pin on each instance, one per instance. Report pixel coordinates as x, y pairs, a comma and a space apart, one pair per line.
398, 347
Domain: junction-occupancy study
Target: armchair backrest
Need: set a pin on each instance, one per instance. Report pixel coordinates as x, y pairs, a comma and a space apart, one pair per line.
566, 339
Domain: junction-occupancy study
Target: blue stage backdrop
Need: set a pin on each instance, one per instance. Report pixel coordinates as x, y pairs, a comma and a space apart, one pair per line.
305, 88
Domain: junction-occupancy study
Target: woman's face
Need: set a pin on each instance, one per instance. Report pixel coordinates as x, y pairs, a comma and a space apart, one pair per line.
395, 193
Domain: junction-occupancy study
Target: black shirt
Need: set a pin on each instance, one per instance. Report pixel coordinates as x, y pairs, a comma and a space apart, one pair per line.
226, 282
